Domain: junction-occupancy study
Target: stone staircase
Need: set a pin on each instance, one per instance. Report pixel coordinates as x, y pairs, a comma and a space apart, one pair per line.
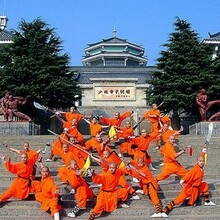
139, 209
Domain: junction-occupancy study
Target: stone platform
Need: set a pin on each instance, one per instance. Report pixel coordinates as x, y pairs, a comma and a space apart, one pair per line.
19, 128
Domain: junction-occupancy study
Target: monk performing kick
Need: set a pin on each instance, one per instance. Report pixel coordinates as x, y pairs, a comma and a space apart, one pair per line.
193, 187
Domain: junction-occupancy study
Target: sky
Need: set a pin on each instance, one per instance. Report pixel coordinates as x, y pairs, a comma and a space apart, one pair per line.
143, 22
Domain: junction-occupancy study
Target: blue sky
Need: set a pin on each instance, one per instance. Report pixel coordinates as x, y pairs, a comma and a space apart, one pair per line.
144, 22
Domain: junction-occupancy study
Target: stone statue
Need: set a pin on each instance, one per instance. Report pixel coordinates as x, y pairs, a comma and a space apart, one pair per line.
10, 107
204, 105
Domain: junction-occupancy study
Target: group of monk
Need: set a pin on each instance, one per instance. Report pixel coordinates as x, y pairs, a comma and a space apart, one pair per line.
76, 154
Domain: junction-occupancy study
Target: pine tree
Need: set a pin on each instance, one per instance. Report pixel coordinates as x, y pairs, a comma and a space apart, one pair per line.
33, 66
183, 69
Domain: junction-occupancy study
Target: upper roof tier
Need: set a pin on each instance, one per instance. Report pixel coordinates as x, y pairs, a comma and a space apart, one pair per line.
114, 51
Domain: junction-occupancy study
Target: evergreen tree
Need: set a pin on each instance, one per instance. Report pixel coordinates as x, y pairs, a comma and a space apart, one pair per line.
33, 66
183, 69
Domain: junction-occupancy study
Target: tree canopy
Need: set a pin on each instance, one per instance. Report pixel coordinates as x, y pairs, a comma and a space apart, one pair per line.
183, 69
33, 66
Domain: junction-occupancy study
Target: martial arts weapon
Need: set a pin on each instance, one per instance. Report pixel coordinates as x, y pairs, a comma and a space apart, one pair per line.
136, 170
209, 135
160, 104
41, 107
74, 145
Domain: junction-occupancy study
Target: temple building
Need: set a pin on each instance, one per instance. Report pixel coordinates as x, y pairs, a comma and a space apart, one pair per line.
113, 74
5, 36
214, 42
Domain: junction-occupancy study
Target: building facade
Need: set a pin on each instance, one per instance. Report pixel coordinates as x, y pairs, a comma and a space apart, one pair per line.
214, 42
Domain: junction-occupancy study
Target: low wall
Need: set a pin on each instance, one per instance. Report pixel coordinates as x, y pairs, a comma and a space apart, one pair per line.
201, 128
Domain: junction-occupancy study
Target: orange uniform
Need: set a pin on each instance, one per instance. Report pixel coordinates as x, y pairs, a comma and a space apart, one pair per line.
95, 129
115, 122
83, 192
45, 194
69, 116
57, 146
171, 165
148, 183
166, 135
67, 157
155, 126
73, 132
125, 132
21, 186
194, 186
109, 194
95, 145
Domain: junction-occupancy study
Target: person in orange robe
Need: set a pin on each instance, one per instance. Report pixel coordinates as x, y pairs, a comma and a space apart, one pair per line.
171, 165
112, 157
193, 187
77, 182
47, 192
67, 156
97, 144
69, 116
57, 146
21, 186
117, 120
73, 132
153, 115
148, 183
167, 132
142, 143
109, 194
95, 127
126, 131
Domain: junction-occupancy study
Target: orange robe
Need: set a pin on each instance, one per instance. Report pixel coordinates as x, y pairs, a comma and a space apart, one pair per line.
166, 135
93, 144
148, 183
67, 157
114, 121
194, 186
46, 195
109, 193
95, 129
166, 120
155, 126
125, 132
83, 192
171, 165
73, 132
21, 187
57, 146
69, 118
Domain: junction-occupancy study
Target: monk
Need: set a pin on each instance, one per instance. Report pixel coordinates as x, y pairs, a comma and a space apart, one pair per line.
30, 154
73, 132
193, 187
149, 185
95, 127
57, 146
126, 131
78, 183
109, 194
153, 115
112, 157
97, 144
21, 186
47, 192
67, 156
167, 132
171, 165
117, 120
141, 144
